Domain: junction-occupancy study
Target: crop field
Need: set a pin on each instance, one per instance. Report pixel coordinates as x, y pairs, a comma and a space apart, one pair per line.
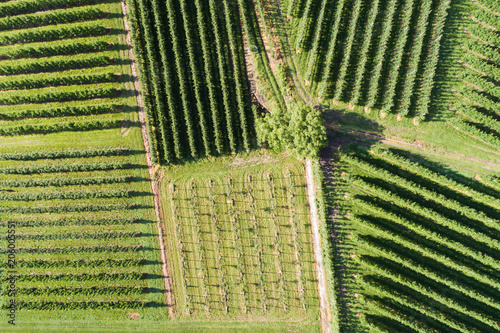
477, 92
74, 186
419, 243
164, 165
377, 54
239, 240
194, 76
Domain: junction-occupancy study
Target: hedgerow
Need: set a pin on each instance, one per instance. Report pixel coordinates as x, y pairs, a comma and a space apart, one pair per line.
61, 48
60, 127
57, 65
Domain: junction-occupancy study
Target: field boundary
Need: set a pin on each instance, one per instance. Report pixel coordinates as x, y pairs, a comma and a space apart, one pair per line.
318, 251
154, 185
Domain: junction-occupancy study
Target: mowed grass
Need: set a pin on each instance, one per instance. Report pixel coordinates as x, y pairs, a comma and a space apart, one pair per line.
239, 241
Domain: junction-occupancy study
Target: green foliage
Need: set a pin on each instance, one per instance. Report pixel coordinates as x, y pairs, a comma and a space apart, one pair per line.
52, 33
414, 62
63, 95
86, 305
363, 58
49, 168
416, 236
56, 154
61, 48
128, 276
69, 222
373, 90
88, 291
30, 83
79, 249
432, 62
404, 29
332, 47
340, 84
62, 111
47, 263
300, 131
65, 181
65, 195
31, 6
49, 17
49, 64
60, 127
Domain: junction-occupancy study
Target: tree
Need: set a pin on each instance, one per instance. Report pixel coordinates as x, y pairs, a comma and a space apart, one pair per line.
300, 130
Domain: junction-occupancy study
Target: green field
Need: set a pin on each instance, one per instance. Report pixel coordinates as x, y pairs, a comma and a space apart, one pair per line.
73, 173
405, 197
419, 243
239, 240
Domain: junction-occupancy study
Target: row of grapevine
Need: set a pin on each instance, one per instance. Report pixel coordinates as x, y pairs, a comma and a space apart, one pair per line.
332, 47
52, 306
320, 26
373, 90
61, 127
47, 263
404, 29
62, 111
19, 7
70, 222
82, 235
363, 57
51, 168
45, 97
432, 61
78, 249
51, 33
66, 181
344, 65
48, 18
54, 65
30, 83
65, 195
78, 277
413, 64
87, 291
47, 154
481, 82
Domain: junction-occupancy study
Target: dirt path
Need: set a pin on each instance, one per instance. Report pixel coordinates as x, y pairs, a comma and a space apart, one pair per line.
154, 185
318, 252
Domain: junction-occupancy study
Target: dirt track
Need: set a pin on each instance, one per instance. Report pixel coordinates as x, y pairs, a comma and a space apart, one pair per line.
318, 253
154, 185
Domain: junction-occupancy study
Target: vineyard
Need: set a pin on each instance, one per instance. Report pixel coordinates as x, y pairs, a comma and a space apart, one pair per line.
150, 176
239, 241
477, 93
193, 74
377, 54
420, 244
75, 193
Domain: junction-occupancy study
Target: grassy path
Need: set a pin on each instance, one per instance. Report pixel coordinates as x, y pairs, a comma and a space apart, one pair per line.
318, 252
